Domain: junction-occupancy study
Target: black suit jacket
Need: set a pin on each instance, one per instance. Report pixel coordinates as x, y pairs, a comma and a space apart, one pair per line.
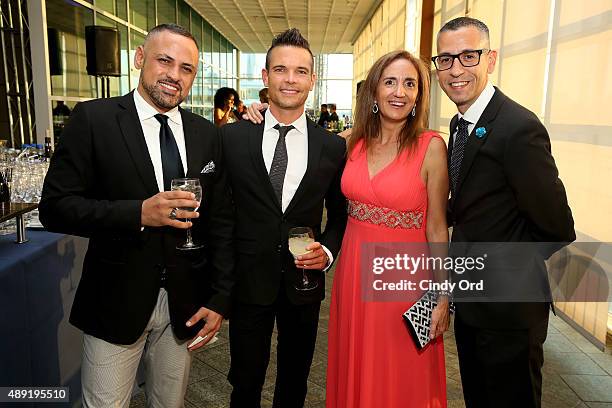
97, 181
509, 191
263, 261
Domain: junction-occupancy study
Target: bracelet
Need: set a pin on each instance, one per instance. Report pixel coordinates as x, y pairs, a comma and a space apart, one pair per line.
446, 293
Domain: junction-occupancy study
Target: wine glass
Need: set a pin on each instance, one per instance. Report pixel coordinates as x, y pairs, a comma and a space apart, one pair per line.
191, 185
299, 239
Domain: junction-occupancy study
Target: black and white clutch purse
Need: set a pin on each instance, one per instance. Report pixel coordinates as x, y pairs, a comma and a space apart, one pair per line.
418, 318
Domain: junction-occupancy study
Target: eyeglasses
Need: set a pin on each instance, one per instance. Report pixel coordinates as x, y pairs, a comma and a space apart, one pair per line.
466, 58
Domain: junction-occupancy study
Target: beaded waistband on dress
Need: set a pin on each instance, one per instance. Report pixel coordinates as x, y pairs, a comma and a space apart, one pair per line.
385, 216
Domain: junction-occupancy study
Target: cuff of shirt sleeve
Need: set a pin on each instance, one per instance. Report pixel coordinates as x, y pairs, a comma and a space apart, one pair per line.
330, 258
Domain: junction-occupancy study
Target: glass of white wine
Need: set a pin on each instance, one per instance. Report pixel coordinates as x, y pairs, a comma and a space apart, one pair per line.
299, 239
191, 185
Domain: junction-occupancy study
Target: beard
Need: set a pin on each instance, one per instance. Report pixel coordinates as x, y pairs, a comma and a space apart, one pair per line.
159, 97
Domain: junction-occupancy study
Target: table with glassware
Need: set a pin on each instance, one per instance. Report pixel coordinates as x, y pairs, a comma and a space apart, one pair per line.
22, 173
38, 280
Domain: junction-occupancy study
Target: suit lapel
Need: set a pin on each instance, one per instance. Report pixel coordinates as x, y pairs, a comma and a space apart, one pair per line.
192, 147
255, 146
135, 142
474, 144
315, 145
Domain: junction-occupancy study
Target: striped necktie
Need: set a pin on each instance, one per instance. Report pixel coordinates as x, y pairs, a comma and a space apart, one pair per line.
457, 155
279, 162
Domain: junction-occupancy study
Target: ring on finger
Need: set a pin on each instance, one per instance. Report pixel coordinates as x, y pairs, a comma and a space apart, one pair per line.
172, 215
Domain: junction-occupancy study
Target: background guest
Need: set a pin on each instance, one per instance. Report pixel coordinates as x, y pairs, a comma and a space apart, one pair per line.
333, 116
324, 116
263, 95
225, 100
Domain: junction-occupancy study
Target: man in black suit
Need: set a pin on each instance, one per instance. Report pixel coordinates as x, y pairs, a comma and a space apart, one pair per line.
281, 173
504, 188
323, 117
109, 180
333, 116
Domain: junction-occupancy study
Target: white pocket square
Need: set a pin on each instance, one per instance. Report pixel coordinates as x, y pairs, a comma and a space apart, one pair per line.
209, 168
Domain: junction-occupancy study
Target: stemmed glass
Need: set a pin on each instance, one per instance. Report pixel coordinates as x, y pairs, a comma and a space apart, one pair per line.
191, 185
299, 239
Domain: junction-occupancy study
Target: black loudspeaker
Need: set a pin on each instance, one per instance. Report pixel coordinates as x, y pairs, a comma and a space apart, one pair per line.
55, 51
102, 47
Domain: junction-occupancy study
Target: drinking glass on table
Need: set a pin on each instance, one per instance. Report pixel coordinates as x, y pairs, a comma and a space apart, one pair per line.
191, 185
299, 239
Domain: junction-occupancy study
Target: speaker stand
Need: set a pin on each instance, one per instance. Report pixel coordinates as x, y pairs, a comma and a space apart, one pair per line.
105, 85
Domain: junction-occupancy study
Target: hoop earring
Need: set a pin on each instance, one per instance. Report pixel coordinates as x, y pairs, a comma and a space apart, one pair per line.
375, 108
414, 110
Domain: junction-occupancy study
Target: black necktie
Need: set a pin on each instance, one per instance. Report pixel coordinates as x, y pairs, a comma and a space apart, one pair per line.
171, 158
279, 162
457, 154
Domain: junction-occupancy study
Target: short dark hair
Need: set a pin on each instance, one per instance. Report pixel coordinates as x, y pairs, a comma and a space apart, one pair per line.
461, 22
173, 28
324, 105
291, 38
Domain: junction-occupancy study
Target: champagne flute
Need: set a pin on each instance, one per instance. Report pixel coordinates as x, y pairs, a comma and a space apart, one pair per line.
191, 185
299, 239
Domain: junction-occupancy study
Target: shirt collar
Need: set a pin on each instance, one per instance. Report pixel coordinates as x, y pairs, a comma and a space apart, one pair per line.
299, 124
146, 111
475, 111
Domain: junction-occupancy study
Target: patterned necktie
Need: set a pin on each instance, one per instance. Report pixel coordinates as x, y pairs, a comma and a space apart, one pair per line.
279, 162
457, 154
172, 166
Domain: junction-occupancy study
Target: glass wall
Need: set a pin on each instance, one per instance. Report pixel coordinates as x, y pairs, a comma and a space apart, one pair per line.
250, 76
67, 20
385, 32
333, 85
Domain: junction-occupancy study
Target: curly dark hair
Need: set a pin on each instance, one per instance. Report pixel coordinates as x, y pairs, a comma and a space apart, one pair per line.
223, 94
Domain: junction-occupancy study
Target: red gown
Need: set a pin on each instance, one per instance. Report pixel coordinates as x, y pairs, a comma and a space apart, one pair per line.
372, 359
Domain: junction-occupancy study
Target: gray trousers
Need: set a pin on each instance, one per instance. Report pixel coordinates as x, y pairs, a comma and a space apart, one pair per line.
108, 371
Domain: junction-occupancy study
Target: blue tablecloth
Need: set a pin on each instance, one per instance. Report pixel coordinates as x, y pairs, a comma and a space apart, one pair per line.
38, 280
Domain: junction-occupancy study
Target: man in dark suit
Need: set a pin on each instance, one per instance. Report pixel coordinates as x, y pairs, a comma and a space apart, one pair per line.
323, 117
333, 116
281, 173
109, 180
504, 188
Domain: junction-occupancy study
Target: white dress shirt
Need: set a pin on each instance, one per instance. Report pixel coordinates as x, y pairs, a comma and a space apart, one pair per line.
296, 141
150, 128
475, 111
297, 152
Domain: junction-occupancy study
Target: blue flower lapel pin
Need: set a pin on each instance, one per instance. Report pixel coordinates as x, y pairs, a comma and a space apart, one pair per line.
481, 132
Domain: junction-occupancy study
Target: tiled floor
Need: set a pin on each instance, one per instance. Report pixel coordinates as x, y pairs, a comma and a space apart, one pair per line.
576, 374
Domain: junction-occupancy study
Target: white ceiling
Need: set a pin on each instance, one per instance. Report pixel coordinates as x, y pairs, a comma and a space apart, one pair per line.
329, 26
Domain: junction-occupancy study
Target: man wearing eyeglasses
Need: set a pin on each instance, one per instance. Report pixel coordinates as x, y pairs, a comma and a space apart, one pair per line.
504, 188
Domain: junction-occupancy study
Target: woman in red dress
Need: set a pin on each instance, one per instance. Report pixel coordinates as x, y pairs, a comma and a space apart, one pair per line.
396, 182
